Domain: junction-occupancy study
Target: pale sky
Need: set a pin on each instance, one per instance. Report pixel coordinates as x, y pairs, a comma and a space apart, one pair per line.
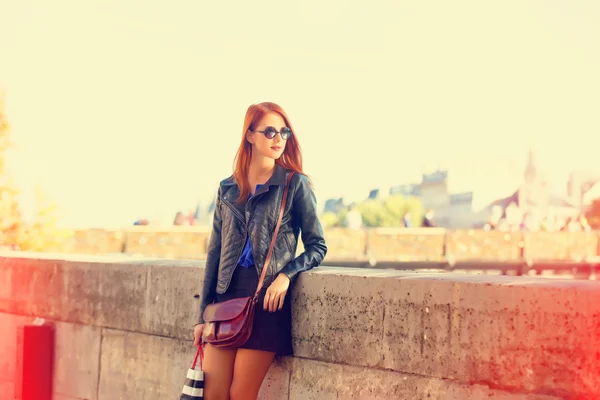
127, 109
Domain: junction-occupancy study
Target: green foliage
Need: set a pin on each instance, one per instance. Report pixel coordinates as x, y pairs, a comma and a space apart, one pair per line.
10, 216
329, 220
341, 216
390, 211
415, 207
374, 213
42, 234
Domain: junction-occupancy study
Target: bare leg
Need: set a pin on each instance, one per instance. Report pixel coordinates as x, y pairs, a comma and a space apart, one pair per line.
251, 367
218, 372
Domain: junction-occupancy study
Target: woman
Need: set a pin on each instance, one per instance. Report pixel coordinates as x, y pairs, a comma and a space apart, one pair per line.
245, 216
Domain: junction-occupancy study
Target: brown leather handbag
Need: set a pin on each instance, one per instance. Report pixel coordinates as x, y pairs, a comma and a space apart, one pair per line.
229, 323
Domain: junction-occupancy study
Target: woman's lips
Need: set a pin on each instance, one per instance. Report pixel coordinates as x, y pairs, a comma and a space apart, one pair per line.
276, 148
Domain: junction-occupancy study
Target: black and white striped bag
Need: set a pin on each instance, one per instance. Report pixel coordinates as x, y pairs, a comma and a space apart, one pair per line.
193, 389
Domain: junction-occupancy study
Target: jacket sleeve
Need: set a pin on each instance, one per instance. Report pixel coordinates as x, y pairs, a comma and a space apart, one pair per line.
213, 256
304, 209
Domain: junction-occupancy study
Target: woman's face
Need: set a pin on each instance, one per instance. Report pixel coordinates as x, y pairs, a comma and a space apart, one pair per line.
272, 148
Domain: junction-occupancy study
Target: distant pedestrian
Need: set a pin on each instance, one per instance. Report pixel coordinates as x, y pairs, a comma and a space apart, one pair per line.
190, 218
179, 219
428, 219
353, 218
406, 220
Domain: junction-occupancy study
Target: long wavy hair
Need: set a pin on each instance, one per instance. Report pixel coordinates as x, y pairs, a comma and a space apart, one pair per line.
290, 159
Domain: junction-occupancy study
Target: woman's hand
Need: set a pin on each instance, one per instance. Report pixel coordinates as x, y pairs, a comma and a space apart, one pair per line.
198, 334
276, 292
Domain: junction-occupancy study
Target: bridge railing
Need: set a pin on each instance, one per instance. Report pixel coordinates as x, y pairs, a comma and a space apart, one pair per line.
375, 247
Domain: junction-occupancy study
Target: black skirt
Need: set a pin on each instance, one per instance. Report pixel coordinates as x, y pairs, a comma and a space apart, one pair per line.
270, 331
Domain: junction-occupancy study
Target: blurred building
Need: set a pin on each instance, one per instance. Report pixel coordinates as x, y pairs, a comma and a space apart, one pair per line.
452, 210
532, 199
334, 205
583, 187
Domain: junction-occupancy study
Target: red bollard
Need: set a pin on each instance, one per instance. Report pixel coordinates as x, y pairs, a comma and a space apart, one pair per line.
35, 362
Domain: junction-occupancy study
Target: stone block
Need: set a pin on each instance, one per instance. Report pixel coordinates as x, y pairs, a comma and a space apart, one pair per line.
139, 366
171, 309
314, 380
95, 241
7, 389
546, 335
76, 360
110, 294
482, 245
182, 242
30, 286
277, 382
511, 332
402, 244
335, 316
151, 367
560, 245
345, 244
8, 348
416, 325
59, 396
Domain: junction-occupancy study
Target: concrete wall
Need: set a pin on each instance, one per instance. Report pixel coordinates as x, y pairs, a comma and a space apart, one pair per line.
124, 328
381, 244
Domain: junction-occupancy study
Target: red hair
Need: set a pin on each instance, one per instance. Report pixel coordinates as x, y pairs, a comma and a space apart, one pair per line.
290, 159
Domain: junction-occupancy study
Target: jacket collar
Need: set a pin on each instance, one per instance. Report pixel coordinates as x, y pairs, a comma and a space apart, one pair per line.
279, 178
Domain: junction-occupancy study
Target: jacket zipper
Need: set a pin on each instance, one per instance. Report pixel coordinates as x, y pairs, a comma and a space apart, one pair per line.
255, 266
234, 211
243, 220
267, 266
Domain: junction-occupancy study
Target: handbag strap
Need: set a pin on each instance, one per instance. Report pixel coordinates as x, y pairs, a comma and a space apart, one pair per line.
200, 353
270, 252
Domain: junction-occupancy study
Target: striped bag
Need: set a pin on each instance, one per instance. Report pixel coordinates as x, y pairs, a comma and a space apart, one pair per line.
193, 389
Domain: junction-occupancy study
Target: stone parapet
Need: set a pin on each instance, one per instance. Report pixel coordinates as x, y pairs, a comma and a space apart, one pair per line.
383, 333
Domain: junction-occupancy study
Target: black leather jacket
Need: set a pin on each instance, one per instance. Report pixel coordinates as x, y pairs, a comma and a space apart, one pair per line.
257, 218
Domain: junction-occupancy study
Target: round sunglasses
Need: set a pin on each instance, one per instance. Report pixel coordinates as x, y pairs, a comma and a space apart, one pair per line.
270, 132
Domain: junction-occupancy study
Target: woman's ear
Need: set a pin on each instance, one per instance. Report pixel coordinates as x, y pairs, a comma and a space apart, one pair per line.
250, 136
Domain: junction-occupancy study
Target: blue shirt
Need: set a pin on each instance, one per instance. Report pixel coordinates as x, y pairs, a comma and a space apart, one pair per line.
247, 259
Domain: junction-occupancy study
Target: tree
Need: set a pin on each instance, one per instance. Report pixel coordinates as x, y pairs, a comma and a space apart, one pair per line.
373, 213
329, 219
42, 234
4, 136
11, 223
341, 217
389, 212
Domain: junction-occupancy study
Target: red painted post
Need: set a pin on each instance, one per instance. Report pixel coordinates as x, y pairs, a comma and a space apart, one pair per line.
35, 362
